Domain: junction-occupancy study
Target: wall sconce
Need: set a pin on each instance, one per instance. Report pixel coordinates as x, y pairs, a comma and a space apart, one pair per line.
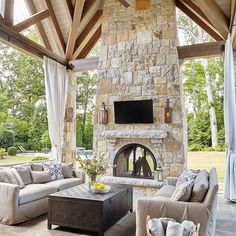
103, 114
168, 112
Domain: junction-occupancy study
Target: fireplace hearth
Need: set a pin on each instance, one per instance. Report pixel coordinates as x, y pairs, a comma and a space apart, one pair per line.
134, 161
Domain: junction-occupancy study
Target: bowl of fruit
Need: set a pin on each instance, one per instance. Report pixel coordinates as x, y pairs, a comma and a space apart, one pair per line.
100, 188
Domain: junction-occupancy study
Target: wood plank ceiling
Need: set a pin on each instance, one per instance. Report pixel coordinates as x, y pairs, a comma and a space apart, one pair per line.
70, 28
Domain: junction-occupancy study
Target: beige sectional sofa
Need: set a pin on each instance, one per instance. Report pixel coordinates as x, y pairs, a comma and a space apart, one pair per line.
20, 205
161, 206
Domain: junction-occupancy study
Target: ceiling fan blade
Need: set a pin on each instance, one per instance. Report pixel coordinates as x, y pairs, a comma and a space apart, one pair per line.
124, 3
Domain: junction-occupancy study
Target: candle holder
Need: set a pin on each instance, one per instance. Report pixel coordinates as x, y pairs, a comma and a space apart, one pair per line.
103, 114
168, 112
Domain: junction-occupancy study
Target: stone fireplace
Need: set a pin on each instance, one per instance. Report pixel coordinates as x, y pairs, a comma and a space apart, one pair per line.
139, 61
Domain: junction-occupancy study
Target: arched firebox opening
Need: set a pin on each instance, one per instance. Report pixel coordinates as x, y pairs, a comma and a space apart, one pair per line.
134, 161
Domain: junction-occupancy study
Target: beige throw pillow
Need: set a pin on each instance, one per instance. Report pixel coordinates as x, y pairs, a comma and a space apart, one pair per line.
67, 170
41, 176
182, 192
200, 187
185, 176
12, 177
24, 172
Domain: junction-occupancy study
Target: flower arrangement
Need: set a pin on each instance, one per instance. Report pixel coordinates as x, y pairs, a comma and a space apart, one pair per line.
93, 167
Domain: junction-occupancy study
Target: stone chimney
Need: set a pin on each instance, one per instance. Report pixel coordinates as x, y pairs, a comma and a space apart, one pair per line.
139, 61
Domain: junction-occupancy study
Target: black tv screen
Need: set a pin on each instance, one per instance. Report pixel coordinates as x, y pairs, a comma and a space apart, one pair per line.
128, 112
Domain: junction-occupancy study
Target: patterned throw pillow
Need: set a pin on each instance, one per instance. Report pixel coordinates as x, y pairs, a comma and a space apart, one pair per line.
186, 175
12, 177
55, 169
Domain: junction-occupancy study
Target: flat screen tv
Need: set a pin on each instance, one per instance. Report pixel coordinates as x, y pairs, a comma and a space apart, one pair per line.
133, 112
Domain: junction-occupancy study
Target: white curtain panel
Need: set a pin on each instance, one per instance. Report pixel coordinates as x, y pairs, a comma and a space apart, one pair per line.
230, 122
55, 82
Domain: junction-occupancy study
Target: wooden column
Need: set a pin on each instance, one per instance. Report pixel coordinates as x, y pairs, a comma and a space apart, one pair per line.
69, 136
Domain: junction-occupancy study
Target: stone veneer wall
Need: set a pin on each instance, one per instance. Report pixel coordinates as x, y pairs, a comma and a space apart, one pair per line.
139, 60
69, 135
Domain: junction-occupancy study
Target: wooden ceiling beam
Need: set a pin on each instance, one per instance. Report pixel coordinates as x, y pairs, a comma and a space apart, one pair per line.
200, 21
87, 33
85, 64
215, 15
56, 27
74, 28
70, 8
88, 16
20, 42
39, 27
124, 3
9, 12
201, 50
31, 20
91, 43
233, 22
87, 5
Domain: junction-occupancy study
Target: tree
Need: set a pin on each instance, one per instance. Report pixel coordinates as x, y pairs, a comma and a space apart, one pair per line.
201, 77
86, 90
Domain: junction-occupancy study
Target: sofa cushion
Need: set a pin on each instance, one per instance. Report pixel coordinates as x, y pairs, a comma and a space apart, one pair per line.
67, 170
200, 188
11, 176
183, 192
41, 176
55, 169
37, 166
33, 192
24, 172
185, 176
62, 184
166, 191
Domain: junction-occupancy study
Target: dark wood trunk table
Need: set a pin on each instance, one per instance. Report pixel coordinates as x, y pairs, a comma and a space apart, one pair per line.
79, 208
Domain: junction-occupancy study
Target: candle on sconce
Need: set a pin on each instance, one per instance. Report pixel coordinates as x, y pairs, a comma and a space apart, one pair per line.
168, 112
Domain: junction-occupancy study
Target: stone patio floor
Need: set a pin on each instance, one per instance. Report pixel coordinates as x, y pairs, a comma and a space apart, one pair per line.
225, 223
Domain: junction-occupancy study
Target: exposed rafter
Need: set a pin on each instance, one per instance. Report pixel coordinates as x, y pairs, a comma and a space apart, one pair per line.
9, 12
215, 15
39, 26
70, 8
124, 3
74, 28
20, 42
87, 33
56, 27
91, 43
200, 20
31, 20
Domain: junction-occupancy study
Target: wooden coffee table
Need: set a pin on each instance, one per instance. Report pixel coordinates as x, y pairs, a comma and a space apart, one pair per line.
79, 208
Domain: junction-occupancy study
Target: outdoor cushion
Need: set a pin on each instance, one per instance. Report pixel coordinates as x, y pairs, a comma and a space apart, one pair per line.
24, 172
41, 176
166, 191
186, 175
33, 192
55, 169
37, 166
200, 188
67, 170
62, 184
11, 176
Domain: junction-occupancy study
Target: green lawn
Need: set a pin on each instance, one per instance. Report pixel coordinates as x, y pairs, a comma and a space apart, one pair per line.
16, 159
207, 160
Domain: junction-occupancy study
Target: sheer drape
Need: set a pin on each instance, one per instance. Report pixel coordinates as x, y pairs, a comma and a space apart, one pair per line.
55, 81
230, 122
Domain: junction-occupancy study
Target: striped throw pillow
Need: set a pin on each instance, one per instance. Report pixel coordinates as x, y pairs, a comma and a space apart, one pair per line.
12, 177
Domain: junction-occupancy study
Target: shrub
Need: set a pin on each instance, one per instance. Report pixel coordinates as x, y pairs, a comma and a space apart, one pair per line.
219, 149
208, 149
46, 150
12, 151
3, 153
40, 159
195, 147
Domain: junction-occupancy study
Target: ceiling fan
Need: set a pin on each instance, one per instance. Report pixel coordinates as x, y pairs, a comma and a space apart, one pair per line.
140, 4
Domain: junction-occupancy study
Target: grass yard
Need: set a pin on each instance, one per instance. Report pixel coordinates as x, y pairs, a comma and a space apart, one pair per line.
16, 159
206, 160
